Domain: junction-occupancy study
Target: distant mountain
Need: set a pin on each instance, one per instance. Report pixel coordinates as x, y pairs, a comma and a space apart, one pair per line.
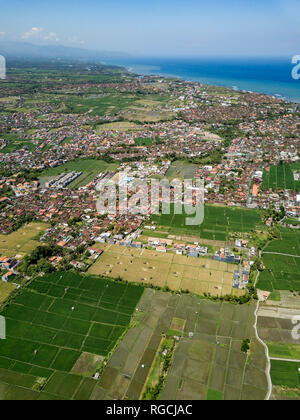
25, 50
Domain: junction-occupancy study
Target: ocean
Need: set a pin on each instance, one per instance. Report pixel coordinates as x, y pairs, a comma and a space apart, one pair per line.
272, 76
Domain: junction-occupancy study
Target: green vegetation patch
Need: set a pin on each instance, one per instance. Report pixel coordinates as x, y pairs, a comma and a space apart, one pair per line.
285, 373
48, 332
281, 177
289, 243
282, 263
218, 222
143, 141
284, 350
213, 395
90, 169
98, 106
13, 143
282, 273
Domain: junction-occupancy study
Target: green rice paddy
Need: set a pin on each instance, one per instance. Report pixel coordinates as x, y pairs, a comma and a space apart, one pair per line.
218, 222
51, 323
285, 373
281, 177
282, 262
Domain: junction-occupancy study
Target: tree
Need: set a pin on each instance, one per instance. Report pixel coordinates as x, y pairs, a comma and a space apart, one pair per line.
245, 345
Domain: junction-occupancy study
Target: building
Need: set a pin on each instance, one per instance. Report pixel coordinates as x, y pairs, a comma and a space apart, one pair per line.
8, 276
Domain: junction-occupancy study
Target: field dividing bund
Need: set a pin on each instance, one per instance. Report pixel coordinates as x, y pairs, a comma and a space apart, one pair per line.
218, 223
289, 243
177, 272
282, 271
58, 320
208, 363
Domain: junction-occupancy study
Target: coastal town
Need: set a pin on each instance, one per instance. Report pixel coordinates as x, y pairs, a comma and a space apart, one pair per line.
150, 203
66, 142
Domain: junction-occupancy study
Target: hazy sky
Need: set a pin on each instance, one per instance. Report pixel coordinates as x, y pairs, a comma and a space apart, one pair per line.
158, 27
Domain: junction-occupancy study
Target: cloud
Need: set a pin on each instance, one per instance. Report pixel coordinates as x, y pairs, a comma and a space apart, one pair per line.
51, 37
2, 33
36, 33
33, 33
39, 34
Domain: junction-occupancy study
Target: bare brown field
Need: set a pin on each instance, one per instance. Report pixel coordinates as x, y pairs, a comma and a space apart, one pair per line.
118, 126
22, 241
178, 324
87, 364
187, 239
177, 272
5, 290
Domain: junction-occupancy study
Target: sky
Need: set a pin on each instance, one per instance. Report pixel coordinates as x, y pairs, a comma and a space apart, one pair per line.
158, 27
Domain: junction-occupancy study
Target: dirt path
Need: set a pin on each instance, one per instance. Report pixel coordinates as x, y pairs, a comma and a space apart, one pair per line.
268, 368
284, 255
285, 360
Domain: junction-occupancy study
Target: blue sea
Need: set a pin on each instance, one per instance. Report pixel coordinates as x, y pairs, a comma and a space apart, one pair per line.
272, 76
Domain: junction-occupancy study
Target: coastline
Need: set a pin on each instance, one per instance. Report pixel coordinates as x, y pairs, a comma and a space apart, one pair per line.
281, 89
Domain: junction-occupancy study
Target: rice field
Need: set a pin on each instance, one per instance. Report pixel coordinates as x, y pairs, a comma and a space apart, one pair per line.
282, 273
208, 365
281, 177
282, 262
218, 222
52, 323
276, 331
22, 241
118, 126
181, 170
284, 351
285, 374
289, 243
177, 272
5, 290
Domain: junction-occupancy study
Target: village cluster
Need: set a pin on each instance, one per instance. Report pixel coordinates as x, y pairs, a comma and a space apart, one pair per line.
231, 158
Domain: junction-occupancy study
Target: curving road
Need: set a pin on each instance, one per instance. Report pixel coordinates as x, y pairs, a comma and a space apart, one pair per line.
268, 367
